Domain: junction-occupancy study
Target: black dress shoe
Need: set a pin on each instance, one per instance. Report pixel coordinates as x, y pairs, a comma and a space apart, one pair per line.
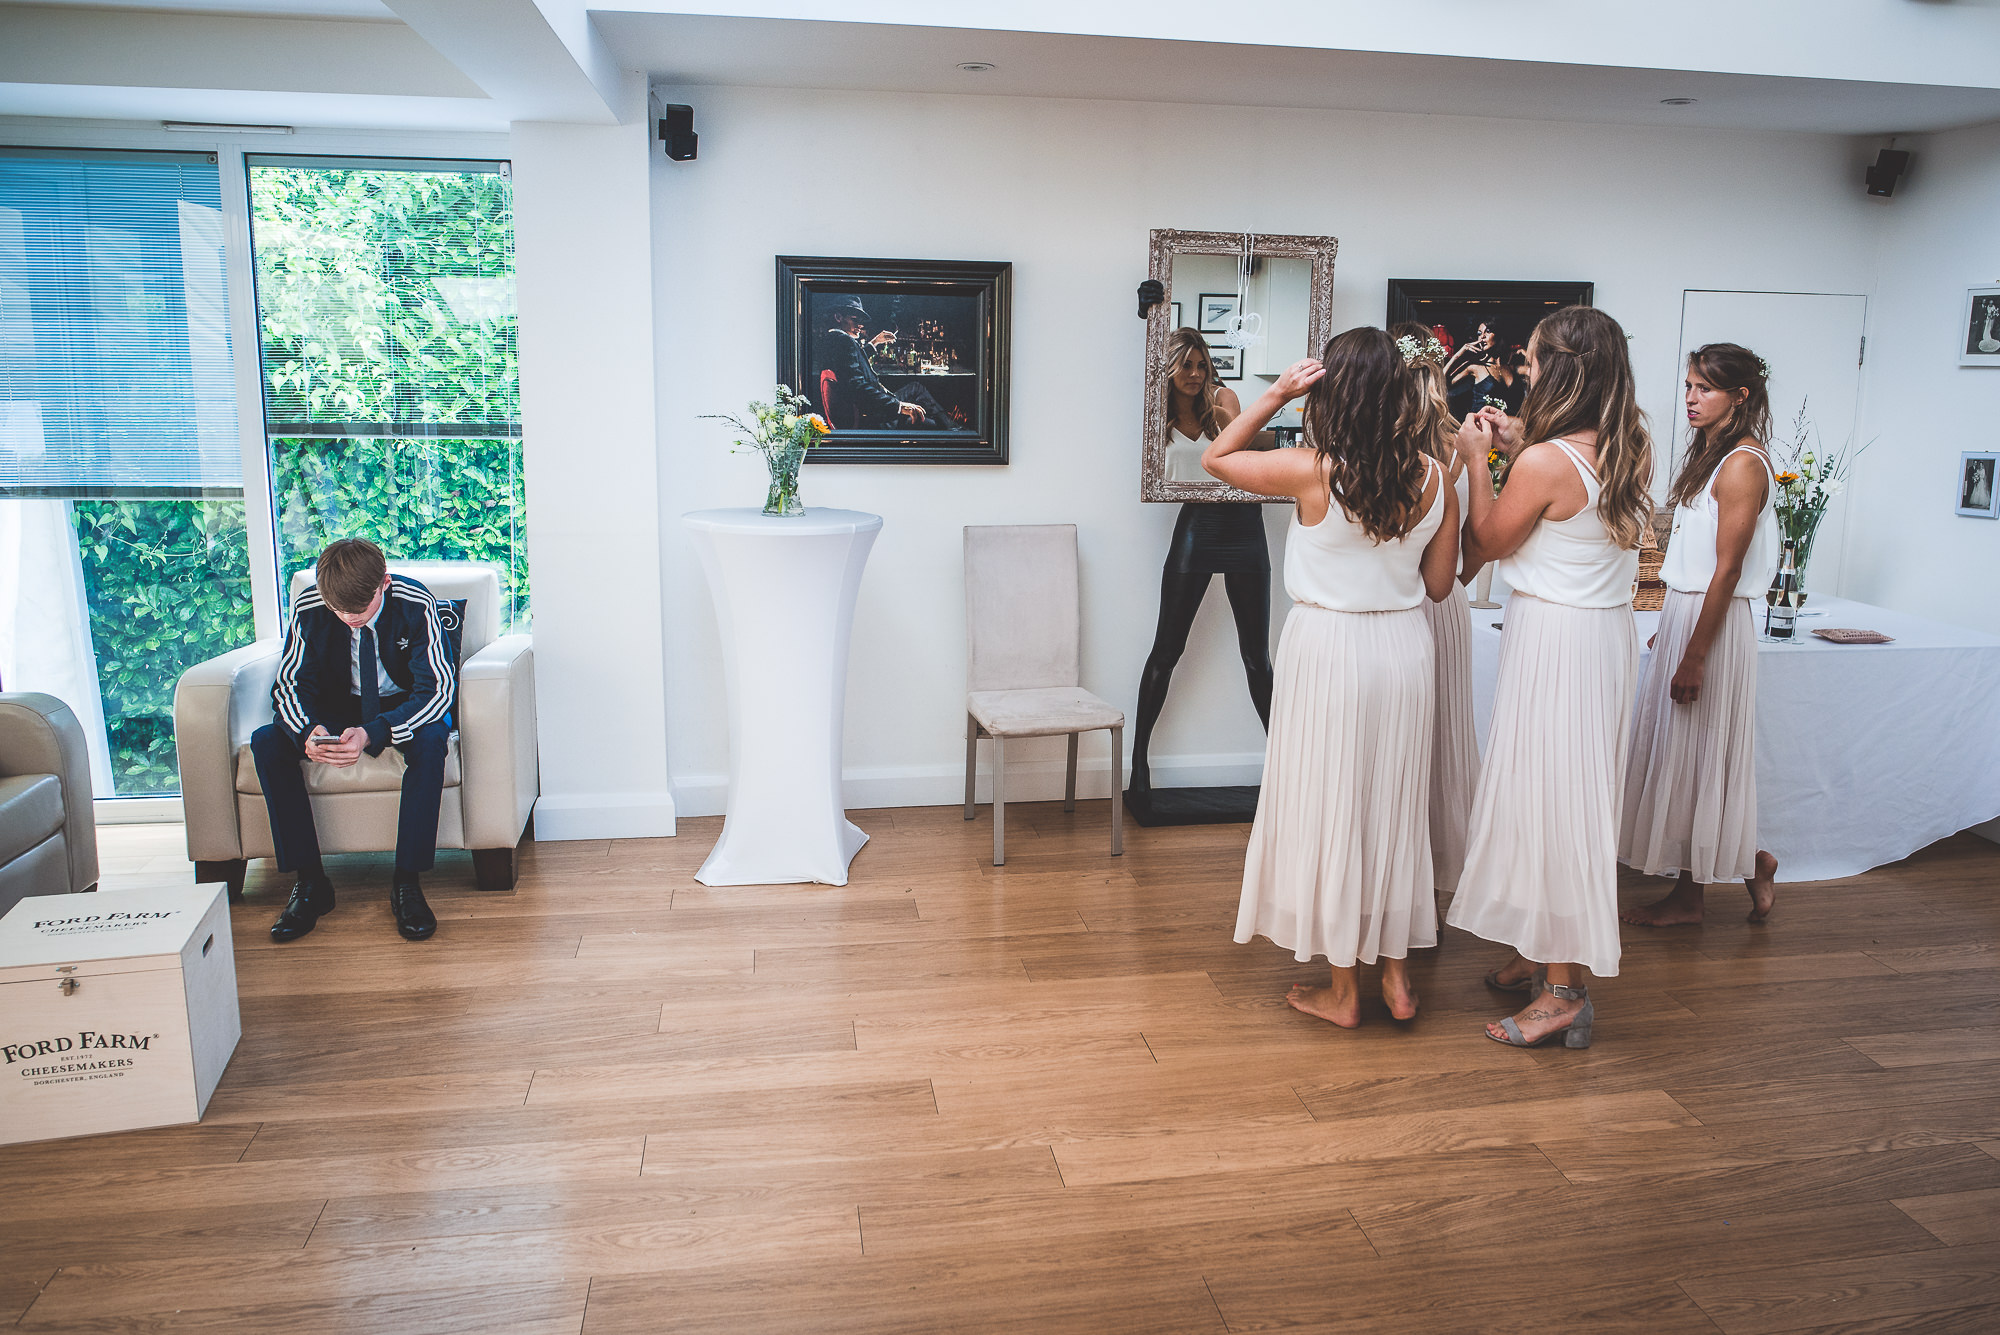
311, 896
414, 918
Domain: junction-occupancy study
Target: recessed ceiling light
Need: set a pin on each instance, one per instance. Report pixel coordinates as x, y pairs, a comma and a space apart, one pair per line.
1678, 101
976, 66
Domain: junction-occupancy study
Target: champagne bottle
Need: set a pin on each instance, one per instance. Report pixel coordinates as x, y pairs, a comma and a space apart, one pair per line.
1782, 598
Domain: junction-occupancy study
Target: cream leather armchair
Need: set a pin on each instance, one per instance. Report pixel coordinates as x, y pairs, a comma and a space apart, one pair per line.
48, 841
490, 778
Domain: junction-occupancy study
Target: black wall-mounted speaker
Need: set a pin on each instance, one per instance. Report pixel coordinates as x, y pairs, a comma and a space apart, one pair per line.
677, 132
1890, 163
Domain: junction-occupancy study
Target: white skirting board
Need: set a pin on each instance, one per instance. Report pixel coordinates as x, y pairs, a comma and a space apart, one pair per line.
1039, 780
560, 816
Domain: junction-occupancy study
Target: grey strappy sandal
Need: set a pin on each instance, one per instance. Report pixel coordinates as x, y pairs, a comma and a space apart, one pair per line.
1530, 986
1575, 1034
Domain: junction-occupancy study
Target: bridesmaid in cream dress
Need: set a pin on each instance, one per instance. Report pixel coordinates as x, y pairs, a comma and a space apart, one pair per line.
1454, 745
1339, 863
1541, 861
1691, 784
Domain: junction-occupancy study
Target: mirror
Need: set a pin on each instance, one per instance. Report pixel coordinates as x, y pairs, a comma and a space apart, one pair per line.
1256, 303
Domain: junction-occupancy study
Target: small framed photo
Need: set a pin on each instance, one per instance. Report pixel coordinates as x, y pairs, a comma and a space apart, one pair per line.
1214, 310
1978, 494
1174, 315
1228, 362
1979, 331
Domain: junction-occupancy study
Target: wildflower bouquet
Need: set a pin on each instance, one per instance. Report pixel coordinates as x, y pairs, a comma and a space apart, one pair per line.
1808, 481
782, 431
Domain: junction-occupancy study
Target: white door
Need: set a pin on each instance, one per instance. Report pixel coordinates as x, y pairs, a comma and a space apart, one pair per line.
1812, 343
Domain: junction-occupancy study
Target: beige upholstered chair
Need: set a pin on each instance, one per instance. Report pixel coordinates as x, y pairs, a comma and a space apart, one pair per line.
48, 841
1022, 629
490, 780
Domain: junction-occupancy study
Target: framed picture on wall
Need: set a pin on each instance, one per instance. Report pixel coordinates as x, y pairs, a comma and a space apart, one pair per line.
907, 359
1174, 315
1228, 362
1213, 311
1979, 331
1979, 484
1484, 326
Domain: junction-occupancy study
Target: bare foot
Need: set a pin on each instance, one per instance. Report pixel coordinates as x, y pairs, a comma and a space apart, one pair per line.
1542, 1016
1682, 907
1397, 993
1763, 887
1324, 1004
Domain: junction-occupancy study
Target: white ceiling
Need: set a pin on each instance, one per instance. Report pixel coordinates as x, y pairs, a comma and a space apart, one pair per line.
481, 64
294, 9
689, 49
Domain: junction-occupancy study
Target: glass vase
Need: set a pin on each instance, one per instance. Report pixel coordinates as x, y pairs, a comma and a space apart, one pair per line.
783, 498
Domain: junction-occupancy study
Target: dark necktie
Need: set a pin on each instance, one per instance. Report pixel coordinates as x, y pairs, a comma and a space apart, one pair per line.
371, 695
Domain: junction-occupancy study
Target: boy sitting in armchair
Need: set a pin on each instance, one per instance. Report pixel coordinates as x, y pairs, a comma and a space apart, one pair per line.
366, 664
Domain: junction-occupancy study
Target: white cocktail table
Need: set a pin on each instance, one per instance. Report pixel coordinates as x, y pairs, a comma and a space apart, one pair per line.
784, 600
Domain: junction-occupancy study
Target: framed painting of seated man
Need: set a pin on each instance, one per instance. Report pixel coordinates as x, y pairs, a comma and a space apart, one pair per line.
906, 359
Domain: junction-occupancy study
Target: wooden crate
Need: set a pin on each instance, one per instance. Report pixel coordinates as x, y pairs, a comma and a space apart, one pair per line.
117, 1010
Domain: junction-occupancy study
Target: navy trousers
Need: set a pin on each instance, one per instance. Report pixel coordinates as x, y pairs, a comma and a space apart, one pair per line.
280, 770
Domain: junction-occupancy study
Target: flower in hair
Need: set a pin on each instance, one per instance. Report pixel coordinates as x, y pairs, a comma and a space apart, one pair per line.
1763, 368
1430, 350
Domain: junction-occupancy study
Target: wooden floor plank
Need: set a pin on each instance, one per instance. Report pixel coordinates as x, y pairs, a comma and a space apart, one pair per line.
1889, 1286
1957, 1217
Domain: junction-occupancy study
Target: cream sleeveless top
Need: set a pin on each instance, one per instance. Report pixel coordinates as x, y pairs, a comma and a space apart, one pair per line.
1335, 564
1573, 561
1690, 563
1184, 458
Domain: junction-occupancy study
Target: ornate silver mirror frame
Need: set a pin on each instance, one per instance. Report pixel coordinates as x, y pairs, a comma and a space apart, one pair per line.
1167, 243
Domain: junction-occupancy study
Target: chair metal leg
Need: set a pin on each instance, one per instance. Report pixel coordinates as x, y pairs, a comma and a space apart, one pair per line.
1117, 791
1069, 782
999, 802
971, 760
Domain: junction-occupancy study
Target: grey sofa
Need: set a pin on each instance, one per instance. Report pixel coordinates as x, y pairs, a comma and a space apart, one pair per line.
48, 840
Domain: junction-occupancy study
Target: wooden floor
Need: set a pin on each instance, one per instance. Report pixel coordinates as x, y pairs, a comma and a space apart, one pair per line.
1049, 1098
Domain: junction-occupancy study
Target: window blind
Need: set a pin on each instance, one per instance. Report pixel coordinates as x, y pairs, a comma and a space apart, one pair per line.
115, 371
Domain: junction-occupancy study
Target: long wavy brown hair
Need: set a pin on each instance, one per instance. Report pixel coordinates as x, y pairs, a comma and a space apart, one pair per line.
1182, 344
1728, 367
1584, 382
1434, 427
1361, 416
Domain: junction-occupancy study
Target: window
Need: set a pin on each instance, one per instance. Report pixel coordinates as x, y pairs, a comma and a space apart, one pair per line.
123, 549
385, 297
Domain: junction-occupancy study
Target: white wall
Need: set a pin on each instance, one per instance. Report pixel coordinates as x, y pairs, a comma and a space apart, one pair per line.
1067, 191
583, 256
1939, 235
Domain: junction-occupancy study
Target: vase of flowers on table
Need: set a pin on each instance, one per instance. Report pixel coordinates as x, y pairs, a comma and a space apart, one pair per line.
782, 431
1808, 480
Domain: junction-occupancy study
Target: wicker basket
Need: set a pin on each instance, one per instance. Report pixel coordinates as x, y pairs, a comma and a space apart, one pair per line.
1649, 591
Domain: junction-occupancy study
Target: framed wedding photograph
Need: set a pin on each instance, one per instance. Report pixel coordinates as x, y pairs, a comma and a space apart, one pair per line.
907, 359
1978, 494
1484, 325
1979, 331
1214, 310
1228, 362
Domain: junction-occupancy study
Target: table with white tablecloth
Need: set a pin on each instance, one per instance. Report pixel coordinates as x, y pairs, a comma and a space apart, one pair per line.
1865, 752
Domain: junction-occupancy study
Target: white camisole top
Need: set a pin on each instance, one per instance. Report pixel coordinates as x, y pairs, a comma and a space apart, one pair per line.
1184, 458
1573, 561
1690, 563
1335, 564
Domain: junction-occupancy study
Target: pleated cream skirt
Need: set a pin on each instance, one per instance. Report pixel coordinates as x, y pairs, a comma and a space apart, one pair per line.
1454, 746
1340, 857
1691, 784
1541, 860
